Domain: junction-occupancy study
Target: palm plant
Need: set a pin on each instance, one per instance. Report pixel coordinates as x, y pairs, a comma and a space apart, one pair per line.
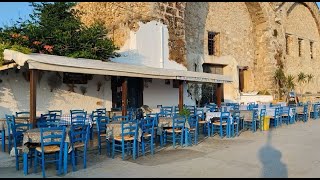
290, 83
309, 78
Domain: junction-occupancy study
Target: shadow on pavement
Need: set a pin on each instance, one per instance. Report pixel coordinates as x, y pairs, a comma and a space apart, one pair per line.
271, 161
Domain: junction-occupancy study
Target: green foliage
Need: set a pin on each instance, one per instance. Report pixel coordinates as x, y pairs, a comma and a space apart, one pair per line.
55, 28
264, 92
309, 77
280, 79
185, 112
290, 83
302, 77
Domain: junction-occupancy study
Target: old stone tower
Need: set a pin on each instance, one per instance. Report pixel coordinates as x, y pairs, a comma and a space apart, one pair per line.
247, 39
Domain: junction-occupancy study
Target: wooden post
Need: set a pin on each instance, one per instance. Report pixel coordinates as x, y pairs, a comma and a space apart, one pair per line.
124, 96
180, 95
219, 94
33, 96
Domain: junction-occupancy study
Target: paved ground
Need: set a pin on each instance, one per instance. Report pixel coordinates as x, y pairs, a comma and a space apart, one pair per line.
289, 151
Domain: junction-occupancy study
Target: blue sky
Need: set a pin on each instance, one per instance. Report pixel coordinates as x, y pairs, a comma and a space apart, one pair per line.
11, 11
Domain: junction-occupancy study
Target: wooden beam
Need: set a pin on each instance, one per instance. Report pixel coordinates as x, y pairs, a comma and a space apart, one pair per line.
219, 94
33, 96
124, 96
180, 95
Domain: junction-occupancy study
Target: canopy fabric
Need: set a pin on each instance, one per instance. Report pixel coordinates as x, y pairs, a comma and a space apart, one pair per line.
90, 66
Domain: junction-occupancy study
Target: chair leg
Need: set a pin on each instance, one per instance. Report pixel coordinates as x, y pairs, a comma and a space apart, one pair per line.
99, 144
85, 158
73, 159
43, 166
113, 148
134, 149
3, 141
35, 166
151, 146
122, 149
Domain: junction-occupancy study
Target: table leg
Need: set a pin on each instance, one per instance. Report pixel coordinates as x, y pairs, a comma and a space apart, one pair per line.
65, 158
25, 163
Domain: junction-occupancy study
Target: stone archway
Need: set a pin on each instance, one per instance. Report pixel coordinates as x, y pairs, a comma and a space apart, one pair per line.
312, 7
263, 57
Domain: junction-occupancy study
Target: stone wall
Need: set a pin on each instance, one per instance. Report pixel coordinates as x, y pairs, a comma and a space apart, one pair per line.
300, 24
121, 17
251, 32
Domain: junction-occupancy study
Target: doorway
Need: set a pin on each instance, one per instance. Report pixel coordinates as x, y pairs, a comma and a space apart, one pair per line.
135, 92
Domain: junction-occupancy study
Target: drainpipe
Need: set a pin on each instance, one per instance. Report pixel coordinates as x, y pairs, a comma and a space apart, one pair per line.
161, 47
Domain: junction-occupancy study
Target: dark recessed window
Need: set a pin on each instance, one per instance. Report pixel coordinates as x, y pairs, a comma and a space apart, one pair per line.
311, 49
213, 43
300, 48
287, 44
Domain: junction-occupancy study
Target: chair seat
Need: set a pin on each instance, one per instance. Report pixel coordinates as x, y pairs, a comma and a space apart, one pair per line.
78, 145
202, 122
103, 135
248, 120
49, 149
218, 123
147, 135
126, 138
171, 130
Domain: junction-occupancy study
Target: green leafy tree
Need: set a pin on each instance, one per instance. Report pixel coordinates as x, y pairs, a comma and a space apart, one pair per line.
290, 84
302, 79
55, 28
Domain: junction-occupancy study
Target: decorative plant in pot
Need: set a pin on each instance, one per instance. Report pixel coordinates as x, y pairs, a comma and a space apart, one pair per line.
185, 112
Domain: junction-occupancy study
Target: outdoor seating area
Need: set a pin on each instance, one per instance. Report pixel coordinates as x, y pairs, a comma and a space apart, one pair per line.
63, 138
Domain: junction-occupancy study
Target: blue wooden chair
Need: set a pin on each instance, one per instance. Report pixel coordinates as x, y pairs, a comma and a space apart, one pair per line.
304, 115
260, 120
176, 133
156, 122
236, 106
57, 112
10, 119
120, 118
314, 114
17, 132
222, 126
192, 109
102, 122
274, 121
78, 117
292, 115
202, 122
103, 111
23, 114
79, 137
48, 120
52, 142
235, 123
94, 116
166, 111
148, 135
251, 124
127, 140
285, 117
175, 111
193, 131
